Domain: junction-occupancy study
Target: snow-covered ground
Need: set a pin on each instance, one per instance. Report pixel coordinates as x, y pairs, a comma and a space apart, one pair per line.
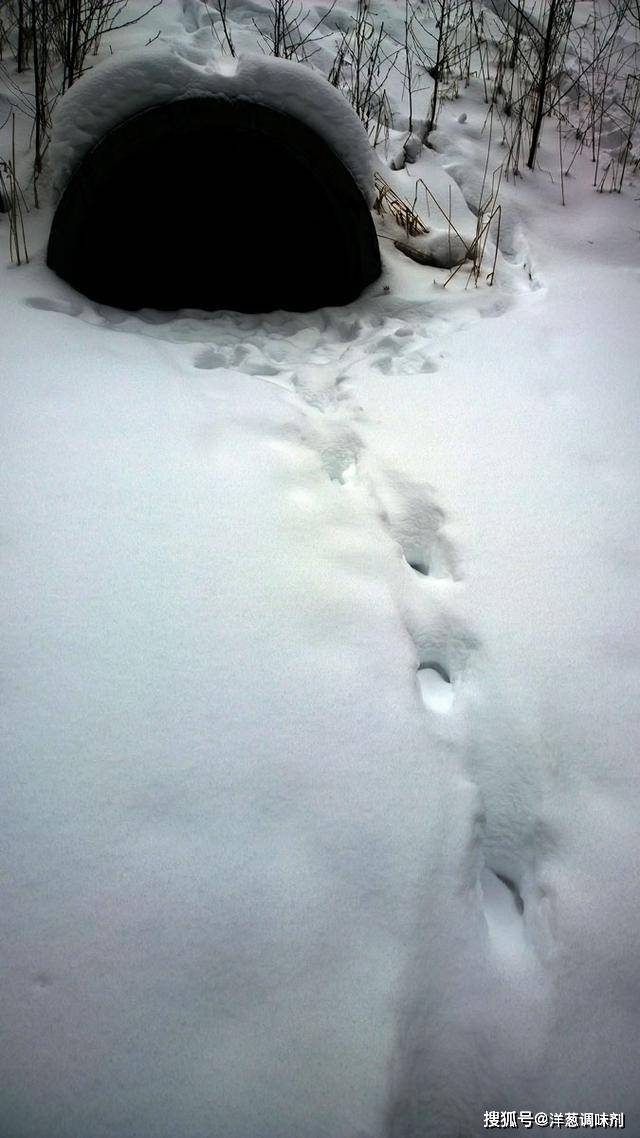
322, 675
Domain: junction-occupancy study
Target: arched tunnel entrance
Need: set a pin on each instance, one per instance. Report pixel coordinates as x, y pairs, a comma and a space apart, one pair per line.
214, 203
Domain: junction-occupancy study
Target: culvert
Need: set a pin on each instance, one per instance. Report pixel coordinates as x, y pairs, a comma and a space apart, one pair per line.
222, 199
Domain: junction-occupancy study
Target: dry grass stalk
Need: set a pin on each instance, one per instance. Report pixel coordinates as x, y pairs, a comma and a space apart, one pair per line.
404, 215
13, 199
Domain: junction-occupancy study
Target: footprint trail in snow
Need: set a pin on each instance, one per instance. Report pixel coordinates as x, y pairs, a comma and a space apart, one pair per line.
320, 362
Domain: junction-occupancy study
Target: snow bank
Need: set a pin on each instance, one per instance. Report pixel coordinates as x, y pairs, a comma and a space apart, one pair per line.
132, 82
323, 671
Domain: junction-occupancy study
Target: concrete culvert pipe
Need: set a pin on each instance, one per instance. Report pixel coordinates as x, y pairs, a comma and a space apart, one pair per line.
214, 203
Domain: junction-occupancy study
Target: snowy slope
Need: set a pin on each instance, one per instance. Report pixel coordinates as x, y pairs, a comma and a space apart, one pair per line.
321, 653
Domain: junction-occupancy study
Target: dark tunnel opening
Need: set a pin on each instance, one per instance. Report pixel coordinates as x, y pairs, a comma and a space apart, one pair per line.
212, 203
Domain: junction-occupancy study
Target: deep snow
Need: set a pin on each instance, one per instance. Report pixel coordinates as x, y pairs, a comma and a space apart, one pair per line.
134, 81
322, 668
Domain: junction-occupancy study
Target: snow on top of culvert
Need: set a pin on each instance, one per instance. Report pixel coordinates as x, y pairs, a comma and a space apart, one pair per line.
132, 82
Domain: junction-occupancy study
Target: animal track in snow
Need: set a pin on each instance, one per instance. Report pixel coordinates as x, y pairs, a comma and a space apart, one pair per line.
513, 889
236, 359
332, 439
436, 689
414, 363
208, 359
419, 565
443, 647
443, 644
44, 304
503, 908
416, 523
432, 559
341, 455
